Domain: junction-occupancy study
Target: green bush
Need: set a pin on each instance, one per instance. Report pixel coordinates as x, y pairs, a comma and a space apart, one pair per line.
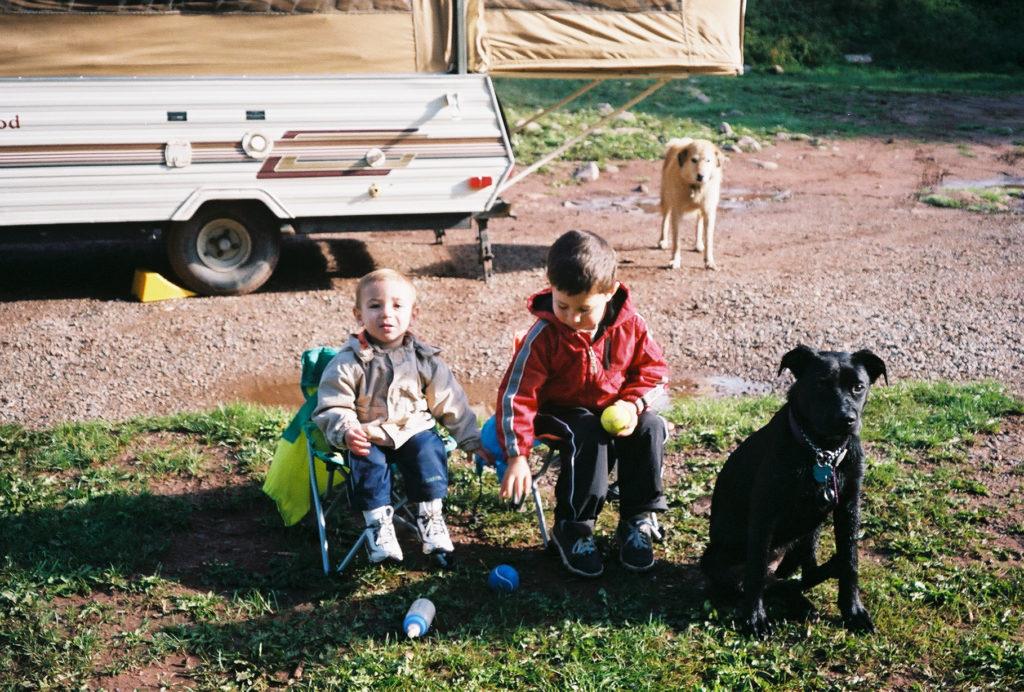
949, 35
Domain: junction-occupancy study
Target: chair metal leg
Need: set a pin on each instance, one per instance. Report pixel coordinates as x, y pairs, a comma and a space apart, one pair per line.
363, 538
321, 520
406, 522
549, 458
403, 512
540, 515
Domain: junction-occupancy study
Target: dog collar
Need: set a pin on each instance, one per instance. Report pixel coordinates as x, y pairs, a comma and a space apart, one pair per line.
825, 461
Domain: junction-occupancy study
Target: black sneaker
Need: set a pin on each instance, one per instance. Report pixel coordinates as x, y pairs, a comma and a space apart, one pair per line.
575, 543
634, 536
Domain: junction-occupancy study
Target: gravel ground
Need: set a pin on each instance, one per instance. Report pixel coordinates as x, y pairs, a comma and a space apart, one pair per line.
823, 245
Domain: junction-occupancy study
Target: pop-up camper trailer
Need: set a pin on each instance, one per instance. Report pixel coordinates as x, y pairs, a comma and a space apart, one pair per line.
226, 123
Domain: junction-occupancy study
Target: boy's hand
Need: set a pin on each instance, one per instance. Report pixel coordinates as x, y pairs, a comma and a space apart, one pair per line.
629, 425
517, 480
357, 442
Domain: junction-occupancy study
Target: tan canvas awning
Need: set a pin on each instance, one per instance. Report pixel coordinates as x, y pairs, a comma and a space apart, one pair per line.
266, 37
550, 37
561, 37
51, 37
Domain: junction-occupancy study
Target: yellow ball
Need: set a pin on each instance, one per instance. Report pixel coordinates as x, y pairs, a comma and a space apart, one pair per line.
617, 417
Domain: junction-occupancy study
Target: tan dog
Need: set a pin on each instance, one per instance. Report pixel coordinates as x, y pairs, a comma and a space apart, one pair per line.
691, 180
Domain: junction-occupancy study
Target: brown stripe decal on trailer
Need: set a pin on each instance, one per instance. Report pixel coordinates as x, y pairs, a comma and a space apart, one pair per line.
325, 153
80, 154
311, 153
295, 167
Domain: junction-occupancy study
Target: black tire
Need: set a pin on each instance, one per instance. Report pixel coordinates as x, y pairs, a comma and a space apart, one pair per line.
224, 250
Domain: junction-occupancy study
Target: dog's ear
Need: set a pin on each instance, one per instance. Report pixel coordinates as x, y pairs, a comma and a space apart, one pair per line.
719, 157
796, 361
684, 155
874, 365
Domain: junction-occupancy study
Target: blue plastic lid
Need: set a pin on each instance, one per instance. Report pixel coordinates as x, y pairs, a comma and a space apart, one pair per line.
415, 625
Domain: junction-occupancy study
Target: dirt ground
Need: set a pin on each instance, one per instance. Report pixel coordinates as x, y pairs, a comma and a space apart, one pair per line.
820, 242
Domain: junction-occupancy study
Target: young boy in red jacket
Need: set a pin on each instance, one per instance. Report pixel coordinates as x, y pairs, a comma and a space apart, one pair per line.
588, 349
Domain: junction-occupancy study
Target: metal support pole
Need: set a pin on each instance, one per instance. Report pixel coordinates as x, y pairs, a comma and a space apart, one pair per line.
461, 43
572, 97
572, 142
486, 253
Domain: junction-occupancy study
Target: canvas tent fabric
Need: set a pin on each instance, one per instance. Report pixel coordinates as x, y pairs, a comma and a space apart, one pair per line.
573, 37
234, 37
308, 37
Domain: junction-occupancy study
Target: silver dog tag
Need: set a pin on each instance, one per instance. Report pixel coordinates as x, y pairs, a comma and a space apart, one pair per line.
828, 494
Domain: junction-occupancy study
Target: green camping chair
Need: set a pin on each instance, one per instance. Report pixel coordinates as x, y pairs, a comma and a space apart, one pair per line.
307, 473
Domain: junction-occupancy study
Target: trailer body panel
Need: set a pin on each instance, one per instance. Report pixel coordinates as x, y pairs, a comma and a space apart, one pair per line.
103, 150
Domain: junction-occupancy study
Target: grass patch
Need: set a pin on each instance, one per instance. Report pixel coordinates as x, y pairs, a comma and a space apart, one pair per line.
989, 200
836, 102
96, 590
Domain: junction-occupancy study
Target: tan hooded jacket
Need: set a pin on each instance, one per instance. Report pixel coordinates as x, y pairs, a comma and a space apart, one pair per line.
394, 394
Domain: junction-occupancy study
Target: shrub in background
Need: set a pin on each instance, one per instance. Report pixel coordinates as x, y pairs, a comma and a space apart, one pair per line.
948, 35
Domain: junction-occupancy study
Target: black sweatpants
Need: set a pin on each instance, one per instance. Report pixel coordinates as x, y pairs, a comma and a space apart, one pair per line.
588, 454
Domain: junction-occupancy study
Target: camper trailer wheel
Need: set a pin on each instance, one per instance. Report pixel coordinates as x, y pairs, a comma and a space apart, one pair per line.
224, 250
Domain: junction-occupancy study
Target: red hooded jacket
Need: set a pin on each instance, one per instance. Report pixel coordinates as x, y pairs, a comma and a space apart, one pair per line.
554, 364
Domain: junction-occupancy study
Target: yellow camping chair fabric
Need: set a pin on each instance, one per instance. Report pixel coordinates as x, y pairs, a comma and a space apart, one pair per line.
288, 479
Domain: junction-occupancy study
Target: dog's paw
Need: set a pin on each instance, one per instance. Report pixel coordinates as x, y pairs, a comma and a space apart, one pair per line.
675, 263
859, 621
711, 266
757, 624
664, 244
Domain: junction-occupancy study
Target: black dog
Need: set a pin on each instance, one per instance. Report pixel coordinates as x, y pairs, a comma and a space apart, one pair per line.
778, 487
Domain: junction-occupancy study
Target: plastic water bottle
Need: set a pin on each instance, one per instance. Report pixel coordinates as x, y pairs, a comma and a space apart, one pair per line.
417, 620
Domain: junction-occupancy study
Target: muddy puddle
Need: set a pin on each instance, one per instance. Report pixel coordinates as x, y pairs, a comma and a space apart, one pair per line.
1007, 181
285, 393
482, 391
735, 200
727, 385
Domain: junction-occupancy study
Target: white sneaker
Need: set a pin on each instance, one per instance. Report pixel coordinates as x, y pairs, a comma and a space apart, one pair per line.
433, 531
383, 543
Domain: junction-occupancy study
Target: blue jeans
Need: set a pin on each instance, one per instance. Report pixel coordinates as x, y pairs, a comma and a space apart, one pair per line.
422, 461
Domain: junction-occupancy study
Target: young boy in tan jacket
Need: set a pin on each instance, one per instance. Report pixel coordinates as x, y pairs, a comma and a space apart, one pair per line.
380, 398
